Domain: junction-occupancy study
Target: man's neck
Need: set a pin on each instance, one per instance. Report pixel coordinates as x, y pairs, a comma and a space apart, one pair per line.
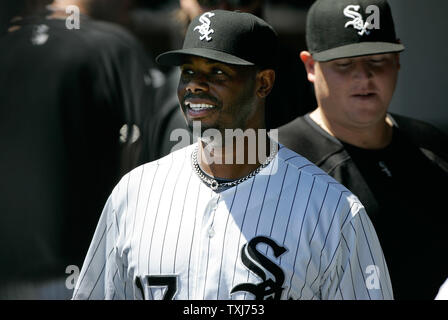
375, 136
225, 162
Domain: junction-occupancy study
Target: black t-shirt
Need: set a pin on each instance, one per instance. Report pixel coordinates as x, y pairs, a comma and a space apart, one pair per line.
64, 95
413, 216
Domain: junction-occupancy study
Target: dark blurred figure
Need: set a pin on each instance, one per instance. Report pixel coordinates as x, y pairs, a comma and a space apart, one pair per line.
292, 94
8, 9
71, 96
116, 11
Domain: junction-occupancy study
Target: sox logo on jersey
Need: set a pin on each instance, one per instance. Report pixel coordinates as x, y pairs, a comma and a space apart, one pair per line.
253, 259
294, 233
257, 263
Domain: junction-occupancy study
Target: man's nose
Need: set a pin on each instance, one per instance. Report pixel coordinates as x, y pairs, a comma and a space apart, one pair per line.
198, 83
363, 70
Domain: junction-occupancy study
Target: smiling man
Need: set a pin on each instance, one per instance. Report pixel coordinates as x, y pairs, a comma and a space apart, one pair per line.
183, 227
227, 100
396, 166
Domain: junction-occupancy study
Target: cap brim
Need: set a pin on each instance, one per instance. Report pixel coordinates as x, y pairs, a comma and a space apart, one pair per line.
357, 49
177, 57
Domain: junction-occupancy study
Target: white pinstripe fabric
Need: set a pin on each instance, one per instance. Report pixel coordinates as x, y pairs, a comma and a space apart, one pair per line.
157, 222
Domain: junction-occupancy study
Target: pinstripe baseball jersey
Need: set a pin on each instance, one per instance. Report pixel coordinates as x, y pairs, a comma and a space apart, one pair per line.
289, 232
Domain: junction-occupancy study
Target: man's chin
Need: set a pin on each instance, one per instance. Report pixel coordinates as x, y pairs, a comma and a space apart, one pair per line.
197, 126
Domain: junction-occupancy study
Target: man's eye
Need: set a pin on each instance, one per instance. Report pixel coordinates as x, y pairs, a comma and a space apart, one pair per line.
218, 71
343, 64
379, 60
188, 72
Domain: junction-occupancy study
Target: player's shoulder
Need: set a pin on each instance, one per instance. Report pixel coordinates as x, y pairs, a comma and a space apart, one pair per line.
173, 158
301, 164
151, 173
162, 165
423, 134
320, 181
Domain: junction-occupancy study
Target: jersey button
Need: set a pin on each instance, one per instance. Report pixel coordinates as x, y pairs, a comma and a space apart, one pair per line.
211, 232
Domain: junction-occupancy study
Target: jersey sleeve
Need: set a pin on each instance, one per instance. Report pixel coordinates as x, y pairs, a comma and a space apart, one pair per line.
360, 272
103, 274
443, 292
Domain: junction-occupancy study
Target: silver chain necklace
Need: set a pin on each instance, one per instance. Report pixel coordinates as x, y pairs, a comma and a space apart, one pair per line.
214, 185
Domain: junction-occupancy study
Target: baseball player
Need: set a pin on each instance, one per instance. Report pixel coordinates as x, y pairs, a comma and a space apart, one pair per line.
394, 164
184, 227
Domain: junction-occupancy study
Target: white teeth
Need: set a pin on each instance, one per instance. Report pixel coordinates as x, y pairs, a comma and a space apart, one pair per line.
200, 106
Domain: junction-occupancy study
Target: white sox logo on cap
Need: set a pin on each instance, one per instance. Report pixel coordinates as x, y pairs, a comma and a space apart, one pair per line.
204, 28
372, 22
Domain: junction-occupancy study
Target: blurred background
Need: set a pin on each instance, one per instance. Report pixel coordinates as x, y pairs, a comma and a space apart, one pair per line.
420, 26
424, 65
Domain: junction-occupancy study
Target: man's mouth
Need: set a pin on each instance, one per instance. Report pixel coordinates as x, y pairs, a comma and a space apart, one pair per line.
364, 95
199, 109
199, 106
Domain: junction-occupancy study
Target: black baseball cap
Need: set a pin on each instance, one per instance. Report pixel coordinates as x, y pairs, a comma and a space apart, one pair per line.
231, 37
349, 28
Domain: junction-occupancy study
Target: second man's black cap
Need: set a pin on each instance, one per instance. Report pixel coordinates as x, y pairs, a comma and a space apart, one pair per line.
348, 28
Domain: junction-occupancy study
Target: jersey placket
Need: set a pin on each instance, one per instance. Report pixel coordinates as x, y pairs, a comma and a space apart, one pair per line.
207, 232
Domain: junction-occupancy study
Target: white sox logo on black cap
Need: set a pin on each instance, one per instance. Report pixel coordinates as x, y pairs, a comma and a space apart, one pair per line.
231, 37
372, 22
330, 35
204, 28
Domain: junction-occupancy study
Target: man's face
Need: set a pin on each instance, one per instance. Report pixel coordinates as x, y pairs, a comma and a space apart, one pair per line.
219, 95
356, 91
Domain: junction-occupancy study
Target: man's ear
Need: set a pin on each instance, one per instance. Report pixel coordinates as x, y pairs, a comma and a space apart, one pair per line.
265, 82
309, 64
